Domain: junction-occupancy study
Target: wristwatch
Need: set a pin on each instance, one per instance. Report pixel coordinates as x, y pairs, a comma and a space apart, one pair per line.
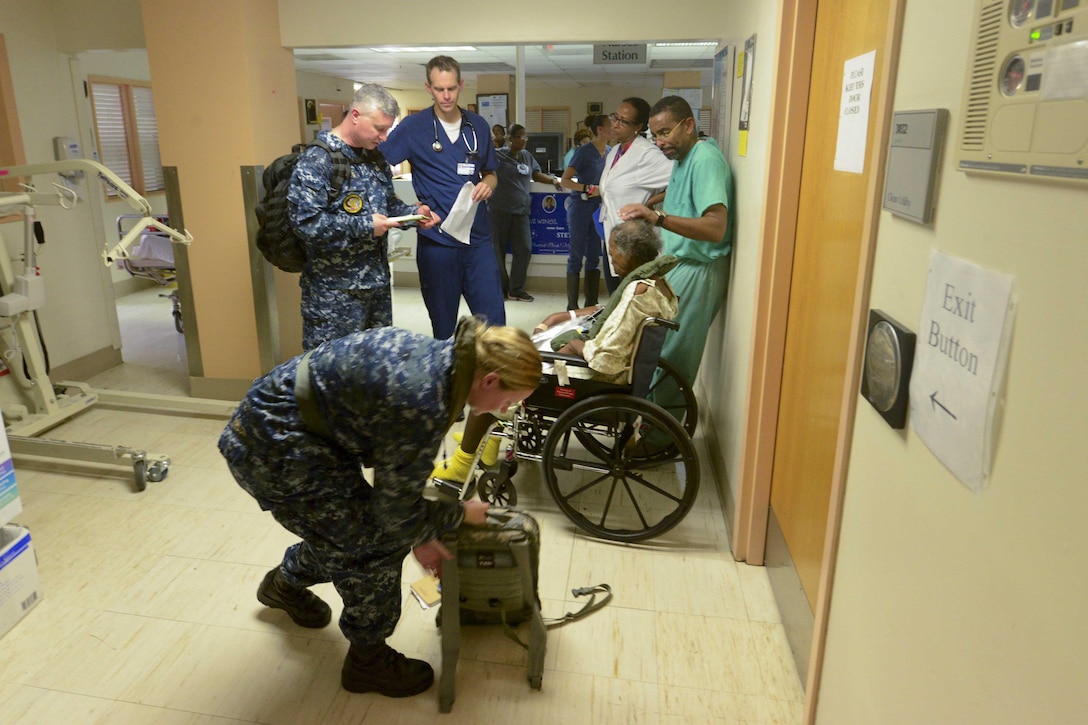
661, 217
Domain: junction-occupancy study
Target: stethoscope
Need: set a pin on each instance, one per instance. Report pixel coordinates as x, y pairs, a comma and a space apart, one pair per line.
437, 145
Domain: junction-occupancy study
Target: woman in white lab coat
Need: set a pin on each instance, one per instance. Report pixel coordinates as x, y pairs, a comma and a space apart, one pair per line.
633, 170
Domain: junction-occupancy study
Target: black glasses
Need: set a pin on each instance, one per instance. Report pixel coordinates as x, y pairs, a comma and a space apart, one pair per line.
622, 121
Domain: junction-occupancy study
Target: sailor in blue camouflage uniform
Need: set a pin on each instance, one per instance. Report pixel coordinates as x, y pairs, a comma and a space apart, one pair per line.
384, 399
345, 283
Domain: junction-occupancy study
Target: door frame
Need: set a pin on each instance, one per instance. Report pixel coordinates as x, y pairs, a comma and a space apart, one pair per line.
789, 109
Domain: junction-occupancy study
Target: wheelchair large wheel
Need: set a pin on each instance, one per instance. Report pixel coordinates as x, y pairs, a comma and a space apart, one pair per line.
602, 486
666, 378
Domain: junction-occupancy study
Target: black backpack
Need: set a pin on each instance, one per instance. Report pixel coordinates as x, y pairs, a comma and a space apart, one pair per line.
275, 237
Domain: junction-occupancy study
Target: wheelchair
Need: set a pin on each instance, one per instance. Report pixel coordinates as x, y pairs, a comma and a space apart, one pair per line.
617, 464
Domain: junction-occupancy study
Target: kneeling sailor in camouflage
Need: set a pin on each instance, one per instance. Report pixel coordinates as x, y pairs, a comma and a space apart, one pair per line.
381, 399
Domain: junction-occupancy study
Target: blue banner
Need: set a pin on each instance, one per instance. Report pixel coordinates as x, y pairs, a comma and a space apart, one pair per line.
548, 222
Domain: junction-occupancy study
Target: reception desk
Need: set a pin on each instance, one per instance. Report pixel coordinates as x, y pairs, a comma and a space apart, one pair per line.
548, 224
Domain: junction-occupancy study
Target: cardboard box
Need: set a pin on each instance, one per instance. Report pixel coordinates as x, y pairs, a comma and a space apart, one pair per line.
20, 584
10, 505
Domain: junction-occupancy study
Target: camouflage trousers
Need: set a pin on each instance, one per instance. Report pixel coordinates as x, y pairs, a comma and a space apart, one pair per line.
333, 313
342, 541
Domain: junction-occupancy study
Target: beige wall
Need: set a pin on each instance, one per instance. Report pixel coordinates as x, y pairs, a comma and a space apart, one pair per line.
577, 98
95, 24
952, 607
723, 379
225, 102
305, 23
321, 88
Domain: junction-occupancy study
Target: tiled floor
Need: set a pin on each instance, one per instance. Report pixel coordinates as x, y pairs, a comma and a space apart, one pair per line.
149, 613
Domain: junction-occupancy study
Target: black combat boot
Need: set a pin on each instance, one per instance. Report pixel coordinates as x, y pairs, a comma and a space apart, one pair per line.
380, 668
593, 285
572, 291
302, 605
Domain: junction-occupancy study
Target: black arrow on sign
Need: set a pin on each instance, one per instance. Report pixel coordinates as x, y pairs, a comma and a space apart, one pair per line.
937, 404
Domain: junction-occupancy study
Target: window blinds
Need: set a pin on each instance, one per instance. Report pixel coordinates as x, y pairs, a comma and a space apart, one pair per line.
109, 116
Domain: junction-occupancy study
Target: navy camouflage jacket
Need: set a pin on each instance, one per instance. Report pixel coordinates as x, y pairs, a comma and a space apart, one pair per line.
341, 252
386, 397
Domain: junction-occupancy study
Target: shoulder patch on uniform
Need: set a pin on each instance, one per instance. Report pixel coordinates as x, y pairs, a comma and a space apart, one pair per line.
353, 203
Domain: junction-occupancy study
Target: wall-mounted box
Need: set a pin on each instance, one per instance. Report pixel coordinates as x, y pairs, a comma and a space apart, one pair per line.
1025, 94
914, 163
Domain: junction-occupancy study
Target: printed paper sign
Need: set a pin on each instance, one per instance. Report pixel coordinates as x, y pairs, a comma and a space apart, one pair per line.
857, 87
959, 363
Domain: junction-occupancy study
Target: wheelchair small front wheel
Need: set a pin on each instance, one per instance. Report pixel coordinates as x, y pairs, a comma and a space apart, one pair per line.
597, 472
497, 489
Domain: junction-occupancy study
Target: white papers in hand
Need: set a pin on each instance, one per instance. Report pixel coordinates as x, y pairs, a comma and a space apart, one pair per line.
458, 224
543, 339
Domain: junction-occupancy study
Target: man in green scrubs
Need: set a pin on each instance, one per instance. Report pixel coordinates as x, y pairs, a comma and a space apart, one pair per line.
697, 228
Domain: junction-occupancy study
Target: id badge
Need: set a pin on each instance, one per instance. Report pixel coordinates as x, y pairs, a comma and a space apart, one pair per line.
466, 168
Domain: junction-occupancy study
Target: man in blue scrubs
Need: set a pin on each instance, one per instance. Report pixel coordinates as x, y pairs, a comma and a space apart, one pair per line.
447, 148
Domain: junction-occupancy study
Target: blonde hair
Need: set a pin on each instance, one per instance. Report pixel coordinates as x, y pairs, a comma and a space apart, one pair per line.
509, 352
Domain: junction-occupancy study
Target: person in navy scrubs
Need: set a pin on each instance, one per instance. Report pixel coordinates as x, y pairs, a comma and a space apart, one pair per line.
448, 147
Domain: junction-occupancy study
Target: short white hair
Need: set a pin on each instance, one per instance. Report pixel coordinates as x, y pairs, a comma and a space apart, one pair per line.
372, 97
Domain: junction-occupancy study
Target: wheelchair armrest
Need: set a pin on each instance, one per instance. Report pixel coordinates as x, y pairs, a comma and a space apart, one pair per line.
662, 322
576, 360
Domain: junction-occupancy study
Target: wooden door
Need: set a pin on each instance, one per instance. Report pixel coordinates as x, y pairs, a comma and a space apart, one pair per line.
827, 254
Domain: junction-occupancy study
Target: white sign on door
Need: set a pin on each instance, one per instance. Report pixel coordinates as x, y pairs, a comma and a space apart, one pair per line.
959, 363
857, 88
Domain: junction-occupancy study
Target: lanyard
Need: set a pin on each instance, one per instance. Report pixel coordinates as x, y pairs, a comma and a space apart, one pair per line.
620, 152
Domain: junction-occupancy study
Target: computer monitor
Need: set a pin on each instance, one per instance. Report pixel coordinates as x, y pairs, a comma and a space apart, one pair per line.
548, 150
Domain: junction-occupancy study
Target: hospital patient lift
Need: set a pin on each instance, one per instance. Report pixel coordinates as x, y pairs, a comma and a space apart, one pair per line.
30, 401
152, 257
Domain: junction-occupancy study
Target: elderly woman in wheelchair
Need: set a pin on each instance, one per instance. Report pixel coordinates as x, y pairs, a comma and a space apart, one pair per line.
589, 420
605, 336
